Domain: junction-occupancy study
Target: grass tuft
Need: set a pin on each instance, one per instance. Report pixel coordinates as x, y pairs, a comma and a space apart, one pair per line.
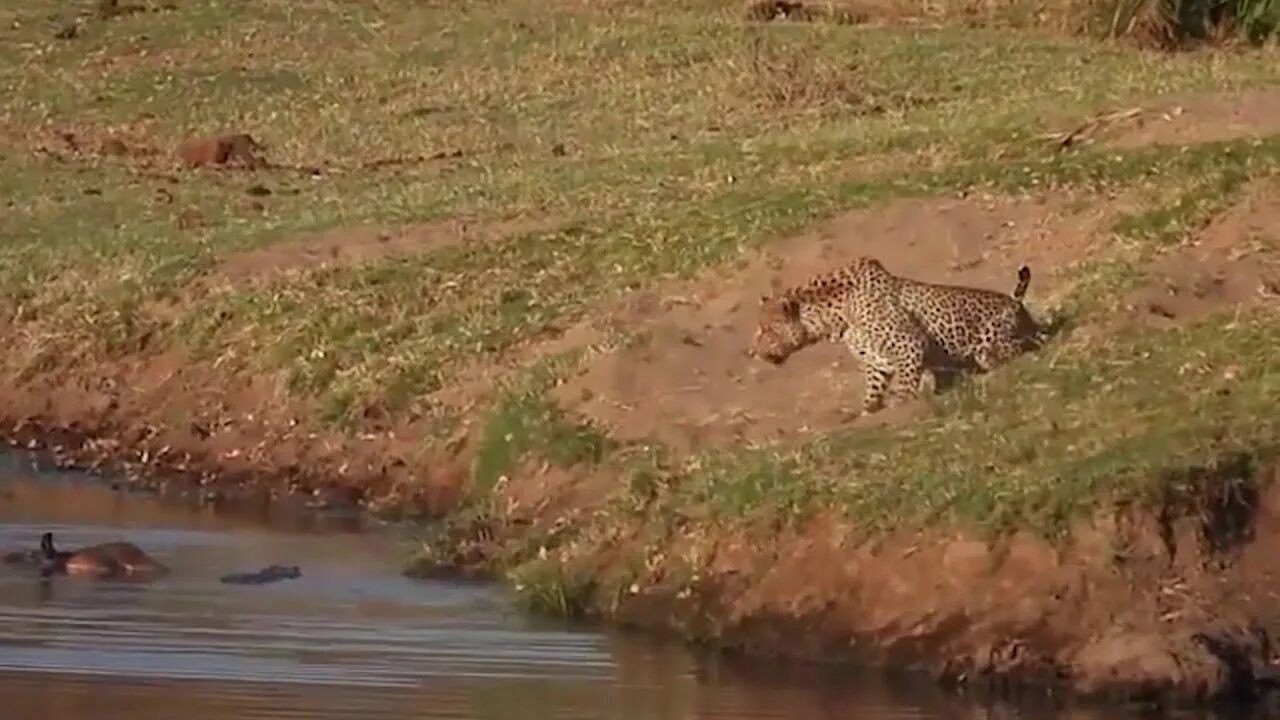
1170, 24
525, 423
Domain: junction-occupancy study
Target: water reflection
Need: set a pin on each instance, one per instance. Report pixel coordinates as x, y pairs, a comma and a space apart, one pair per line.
352, 638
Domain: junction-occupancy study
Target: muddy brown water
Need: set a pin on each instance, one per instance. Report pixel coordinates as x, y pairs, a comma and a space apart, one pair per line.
352, 638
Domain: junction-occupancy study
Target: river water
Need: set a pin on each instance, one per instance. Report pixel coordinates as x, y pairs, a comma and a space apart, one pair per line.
351, 638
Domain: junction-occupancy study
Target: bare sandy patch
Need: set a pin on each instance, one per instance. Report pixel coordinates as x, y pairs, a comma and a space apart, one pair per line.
1200, 119
346, 247
1233, 264
688, 382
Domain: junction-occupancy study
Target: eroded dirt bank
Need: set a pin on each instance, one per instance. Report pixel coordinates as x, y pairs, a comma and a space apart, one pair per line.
1179, 603
1174, 599
1173, 602
160, 414
163, 424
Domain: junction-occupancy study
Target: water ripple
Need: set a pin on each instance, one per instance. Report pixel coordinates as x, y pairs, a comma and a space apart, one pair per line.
350, 639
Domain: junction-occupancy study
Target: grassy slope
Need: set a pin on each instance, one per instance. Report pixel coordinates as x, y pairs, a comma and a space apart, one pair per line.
690, 137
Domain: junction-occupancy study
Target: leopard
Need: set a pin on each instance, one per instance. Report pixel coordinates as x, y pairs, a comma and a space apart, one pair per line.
901, 330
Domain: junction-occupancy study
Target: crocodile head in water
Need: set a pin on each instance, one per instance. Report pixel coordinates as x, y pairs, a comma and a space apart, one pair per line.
271, 573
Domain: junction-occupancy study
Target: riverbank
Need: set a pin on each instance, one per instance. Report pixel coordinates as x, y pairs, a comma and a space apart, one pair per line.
502, 275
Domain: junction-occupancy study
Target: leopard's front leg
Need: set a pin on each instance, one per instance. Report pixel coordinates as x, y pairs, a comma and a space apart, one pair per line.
877, 371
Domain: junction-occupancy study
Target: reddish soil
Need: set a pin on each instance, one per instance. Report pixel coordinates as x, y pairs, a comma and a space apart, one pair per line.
176, 426
1233, 264
1199, 119
146, 156
1175, 602
354, 246
69, 142
1171, 602
688, 382
1180, 602
185, 427
474, 385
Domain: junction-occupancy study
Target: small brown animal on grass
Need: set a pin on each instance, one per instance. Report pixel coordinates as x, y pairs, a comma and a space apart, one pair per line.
114, 147
898, 328
236, 149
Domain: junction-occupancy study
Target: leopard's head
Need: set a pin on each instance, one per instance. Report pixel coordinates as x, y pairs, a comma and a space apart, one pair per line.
779, 332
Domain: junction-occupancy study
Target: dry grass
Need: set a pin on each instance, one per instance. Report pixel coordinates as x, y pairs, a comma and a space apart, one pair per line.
688, 136
791, 79
1092, 421
663, 140
1162, 24
1172, 24
1034, 445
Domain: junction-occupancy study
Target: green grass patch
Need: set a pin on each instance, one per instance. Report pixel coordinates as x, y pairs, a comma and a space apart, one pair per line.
1171, 23
662, 141
688, 135
1032, 447
526, 424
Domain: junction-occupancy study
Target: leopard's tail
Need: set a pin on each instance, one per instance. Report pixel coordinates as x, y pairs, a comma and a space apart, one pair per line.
1024, 279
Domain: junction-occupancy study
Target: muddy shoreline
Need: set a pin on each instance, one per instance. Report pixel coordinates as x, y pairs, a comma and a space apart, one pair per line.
231, 445
1171, 604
